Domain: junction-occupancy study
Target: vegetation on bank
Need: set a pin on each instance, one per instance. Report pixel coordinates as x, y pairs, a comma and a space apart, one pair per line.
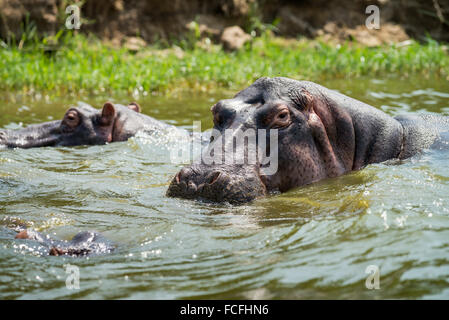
86, 65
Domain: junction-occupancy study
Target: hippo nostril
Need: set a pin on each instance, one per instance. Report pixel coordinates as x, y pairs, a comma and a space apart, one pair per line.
214, 177
191, 186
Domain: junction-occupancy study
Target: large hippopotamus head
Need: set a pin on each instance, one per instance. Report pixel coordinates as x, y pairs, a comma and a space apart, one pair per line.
82, 125
318, 132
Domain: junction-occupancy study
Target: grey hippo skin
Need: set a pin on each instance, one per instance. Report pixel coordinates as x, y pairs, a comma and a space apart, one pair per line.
84, 125
321, 134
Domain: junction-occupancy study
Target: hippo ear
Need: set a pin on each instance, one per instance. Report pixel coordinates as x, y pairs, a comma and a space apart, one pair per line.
302, 99
134, 106
108, 113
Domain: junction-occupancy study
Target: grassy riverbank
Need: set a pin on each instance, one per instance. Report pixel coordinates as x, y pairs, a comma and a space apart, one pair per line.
82, 65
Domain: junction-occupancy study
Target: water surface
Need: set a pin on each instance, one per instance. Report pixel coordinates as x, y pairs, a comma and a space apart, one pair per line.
311, 242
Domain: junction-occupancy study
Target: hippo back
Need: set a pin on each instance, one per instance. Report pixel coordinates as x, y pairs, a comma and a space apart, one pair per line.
423, 132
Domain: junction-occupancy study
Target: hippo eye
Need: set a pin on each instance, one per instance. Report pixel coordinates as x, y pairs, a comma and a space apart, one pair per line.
71, 118
282, 119
283, 115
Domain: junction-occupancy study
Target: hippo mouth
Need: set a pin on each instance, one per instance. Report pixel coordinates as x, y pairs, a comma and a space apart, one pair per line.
38, 135
234, 185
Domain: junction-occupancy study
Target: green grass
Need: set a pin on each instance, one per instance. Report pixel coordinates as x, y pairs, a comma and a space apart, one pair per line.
86, 65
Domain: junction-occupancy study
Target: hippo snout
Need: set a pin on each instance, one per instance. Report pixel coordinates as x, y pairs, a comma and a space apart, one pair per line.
191, 183
217, 184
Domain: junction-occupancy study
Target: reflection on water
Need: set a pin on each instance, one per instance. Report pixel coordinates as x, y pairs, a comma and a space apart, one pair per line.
312, 242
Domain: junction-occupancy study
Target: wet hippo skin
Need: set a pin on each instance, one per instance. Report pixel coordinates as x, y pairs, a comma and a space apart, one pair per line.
321, 134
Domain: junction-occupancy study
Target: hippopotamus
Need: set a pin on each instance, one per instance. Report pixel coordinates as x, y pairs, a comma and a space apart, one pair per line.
82, 244
321, 134
84, 125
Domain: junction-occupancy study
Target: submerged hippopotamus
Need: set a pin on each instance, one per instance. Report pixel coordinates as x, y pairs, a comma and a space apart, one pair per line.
320, 134
82, 244
84, 125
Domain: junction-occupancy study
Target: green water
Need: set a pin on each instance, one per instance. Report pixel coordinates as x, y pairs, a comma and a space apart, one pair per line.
312, 242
